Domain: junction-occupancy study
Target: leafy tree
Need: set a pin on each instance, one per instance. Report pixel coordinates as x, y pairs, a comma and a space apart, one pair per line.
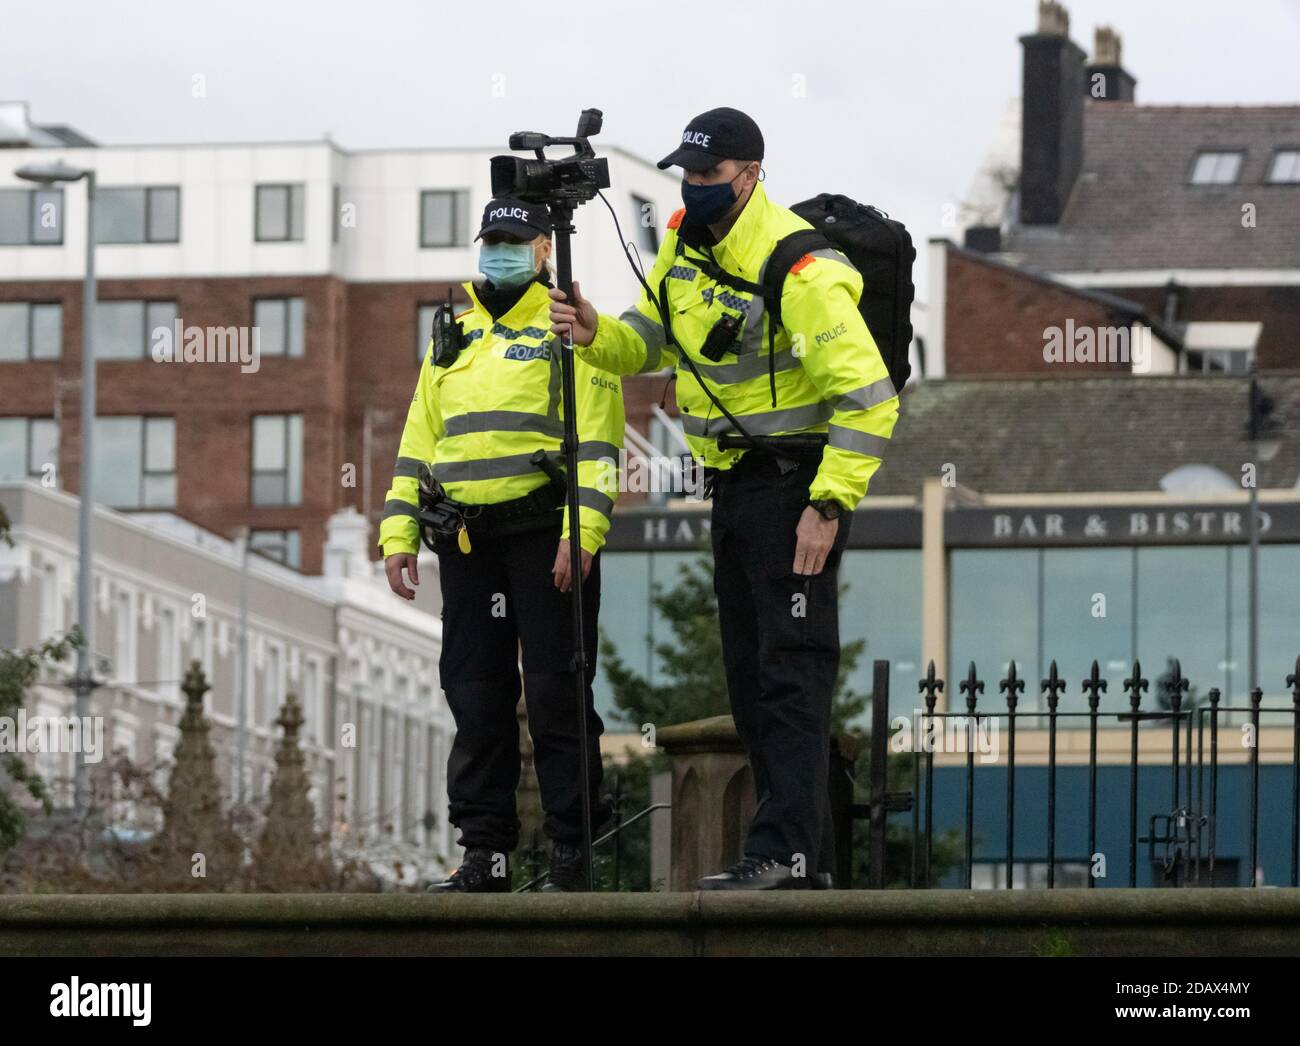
19, 671
695, 684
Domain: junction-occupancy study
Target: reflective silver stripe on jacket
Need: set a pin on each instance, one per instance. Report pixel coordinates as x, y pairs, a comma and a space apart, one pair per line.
868, 396
502, 421
407, 467
596, 450
485, 468
589, 497
858, 442
398, 507
748, 365
766, 424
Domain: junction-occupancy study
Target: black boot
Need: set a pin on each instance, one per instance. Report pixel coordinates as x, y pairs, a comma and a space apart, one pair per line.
475, 874
755, 873
568, 870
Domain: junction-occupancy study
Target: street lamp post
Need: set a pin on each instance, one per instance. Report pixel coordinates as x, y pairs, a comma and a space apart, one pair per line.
83, 683
1261, 429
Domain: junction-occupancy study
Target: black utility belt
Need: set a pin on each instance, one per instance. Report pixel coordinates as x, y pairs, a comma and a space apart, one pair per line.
535, 506
797, 444
444, 519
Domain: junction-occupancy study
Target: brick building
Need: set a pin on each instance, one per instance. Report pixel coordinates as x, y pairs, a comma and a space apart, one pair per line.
333, 259
1094, 208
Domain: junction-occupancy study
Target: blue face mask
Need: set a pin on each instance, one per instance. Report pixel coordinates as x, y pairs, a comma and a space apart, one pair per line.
507, 264
706, 204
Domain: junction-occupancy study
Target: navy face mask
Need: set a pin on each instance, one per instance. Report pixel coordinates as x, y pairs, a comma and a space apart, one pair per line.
706, 204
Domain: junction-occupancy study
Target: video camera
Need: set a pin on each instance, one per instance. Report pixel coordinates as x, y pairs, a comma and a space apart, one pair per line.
572, 180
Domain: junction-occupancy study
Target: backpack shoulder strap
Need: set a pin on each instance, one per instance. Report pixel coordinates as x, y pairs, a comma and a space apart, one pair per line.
788, 250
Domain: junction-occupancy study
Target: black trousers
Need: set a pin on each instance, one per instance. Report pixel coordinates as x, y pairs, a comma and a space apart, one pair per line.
495, 599
781, 650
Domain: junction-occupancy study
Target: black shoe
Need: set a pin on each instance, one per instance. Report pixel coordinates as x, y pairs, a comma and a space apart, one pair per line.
822, 881
568, 870
755, 873
476, 874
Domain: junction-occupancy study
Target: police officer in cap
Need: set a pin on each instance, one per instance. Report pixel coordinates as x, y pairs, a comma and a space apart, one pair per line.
481, 410
789, 439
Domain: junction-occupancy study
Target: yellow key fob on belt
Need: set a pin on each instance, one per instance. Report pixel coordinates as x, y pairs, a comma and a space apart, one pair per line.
462, 540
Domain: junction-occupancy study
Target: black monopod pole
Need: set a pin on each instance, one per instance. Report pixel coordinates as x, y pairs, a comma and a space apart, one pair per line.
562, 222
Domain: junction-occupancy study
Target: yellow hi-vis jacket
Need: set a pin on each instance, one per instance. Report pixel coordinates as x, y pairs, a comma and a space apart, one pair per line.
478, 421
830, 377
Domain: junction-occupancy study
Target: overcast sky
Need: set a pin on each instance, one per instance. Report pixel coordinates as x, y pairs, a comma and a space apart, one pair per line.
890, 101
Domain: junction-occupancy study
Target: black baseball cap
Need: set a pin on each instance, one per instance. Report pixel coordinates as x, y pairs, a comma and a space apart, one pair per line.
719, 134
514, 217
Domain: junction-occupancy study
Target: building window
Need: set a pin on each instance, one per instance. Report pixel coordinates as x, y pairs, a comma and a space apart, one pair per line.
30, 217
424, 330
647, 224
311, 703
279, 322
169, 654
125, 329
51, 601
444, 218
1285, 168
278, 213
29, 447
144, 214
30, 330
123, 637
1218, 361
337, 219
135, 462
283, 546
277, 459
1216, 168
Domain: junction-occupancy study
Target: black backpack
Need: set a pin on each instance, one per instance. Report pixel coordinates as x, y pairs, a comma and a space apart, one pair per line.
879, 248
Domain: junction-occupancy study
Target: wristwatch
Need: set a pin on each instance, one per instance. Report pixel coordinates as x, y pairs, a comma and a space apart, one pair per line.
827, 508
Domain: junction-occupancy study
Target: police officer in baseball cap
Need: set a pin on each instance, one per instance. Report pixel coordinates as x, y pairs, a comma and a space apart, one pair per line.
781, 508
721, 155
476, 419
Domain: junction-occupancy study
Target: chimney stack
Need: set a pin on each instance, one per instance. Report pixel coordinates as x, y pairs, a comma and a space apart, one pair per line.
1108, 81
1051, 118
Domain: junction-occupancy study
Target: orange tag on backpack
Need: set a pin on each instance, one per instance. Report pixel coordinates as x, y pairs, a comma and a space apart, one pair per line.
462, 540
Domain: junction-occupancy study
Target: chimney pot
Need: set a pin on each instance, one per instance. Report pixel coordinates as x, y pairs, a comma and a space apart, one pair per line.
1106, 46
1053, 19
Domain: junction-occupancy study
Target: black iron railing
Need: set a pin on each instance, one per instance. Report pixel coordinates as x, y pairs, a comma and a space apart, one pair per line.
1187, 831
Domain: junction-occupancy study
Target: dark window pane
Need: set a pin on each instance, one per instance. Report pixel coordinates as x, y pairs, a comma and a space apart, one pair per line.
164, 215
268, 488
994, 617
444, 218
43, 449
47, 331
119, 216
295, 212
118, 464
1087, 615
13, 448
160, 491
13, 330
47, 219
296, 326
15, 216
160, 445
119, 330
272, 212
269, 318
